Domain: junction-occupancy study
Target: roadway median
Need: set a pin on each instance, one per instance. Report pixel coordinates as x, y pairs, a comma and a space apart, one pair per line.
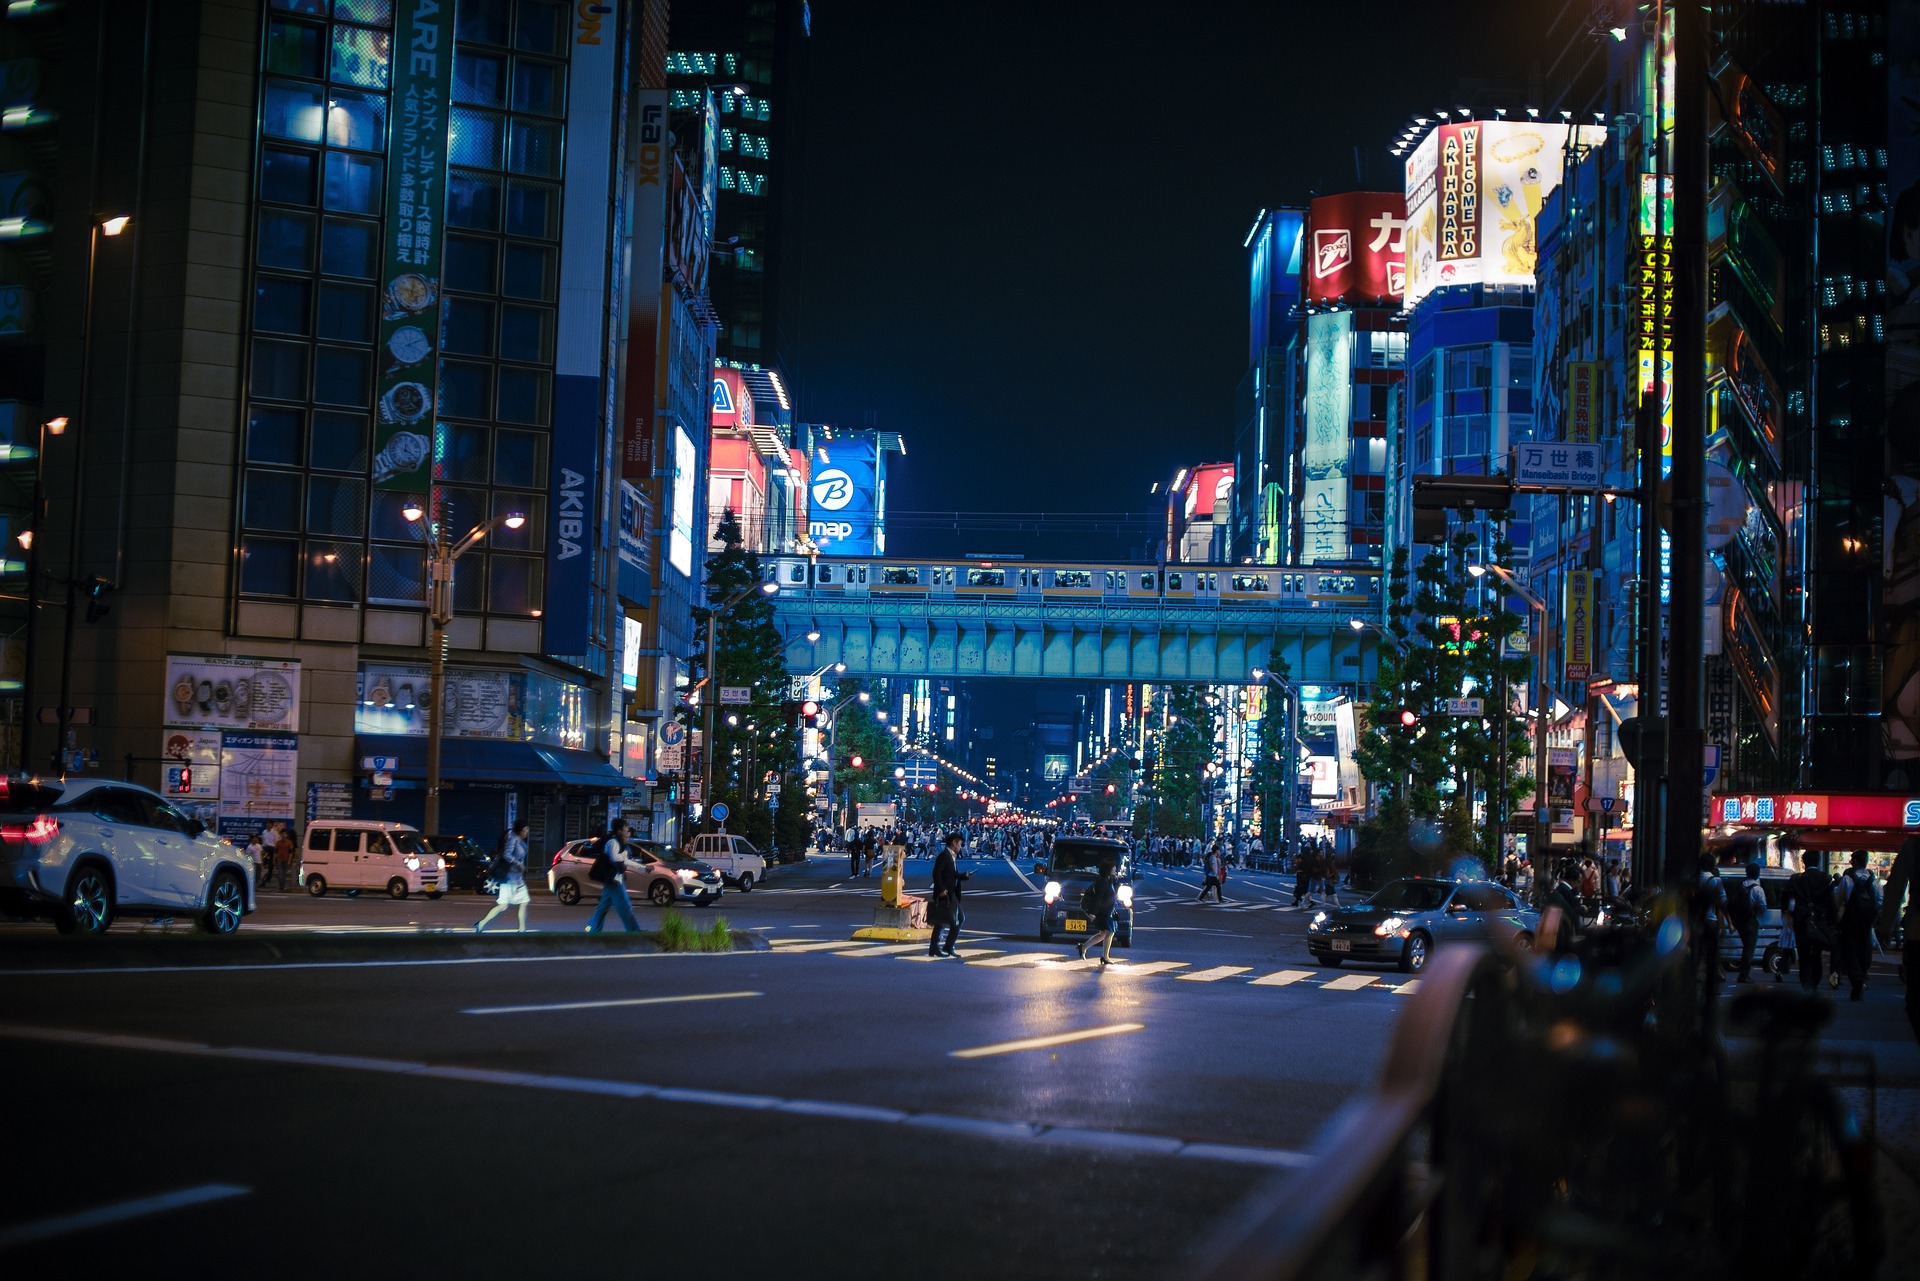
131, 950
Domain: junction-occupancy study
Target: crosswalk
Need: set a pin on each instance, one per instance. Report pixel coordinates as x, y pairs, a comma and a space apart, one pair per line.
994, 958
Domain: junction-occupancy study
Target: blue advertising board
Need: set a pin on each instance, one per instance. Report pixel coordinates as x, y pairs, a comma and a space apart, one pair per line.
844, 496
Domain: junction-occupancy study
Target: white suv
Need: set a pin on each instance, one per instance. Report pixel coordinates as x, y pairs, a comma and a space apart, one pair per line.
85, 850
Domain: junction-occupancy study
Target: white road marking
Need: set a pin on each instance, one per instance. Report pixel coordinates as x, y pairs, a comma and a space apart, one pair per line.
1019, 958
1028, 1131
114, 971
1281, 978
608, 1005
964, 953
1048, 1042
84, 1220
814, 945
889, 949
1022, 875
1215, 974
1352, 982
1145, 967
1409, 987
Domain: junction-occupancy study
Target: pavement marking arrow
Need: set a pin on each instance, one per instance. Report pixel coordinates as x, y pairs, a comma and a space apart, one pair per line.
1215, 974
1281, 979
607, 1005
1048, 1042
1352, 982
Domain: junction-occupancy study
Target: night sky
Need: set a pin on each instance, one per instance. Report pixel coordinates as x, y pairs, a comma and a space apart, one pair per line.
1021, 243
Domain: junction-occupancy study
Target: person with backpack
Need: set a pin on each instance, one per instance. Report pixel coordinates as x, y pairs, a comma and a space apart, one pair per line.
1098, 901
1809, 905
608, 871
1857, 900
943, 907
1709, 912
1746, 904
509, 869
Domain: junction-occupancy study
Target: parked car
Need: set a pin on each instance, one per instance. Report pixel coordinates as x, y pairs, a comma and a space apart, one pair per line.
83, 851
1406, 919
734, 857
360, 854
1767, 952
467, 862
1075, 861
655, 872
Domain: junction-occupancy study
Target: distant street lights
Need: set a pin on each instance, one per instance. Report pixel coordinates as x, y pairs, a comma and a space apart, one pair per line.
710, 693
441, 556
1543, 817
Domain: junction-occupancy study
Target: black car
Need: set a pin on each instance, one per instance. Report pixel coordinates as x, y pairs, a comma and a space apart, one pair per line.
466, 863
1073, 865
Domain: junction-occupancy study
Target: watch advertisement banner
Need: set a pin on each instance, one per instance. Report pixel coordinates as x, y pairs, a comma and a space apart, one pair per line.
1327, 455
217, 691
648, 158
1356, 248
404, 394
480, 703
257, 773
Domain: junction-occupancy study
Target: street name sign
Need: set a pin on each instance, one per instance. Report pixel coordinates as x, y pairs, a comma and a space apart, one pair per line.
1466, 707
1556, 465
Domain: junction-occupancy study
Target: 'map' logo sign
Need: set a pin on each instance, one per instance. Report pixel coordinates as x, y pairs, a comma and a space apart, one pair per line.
1332, 251
570, 525
832, 489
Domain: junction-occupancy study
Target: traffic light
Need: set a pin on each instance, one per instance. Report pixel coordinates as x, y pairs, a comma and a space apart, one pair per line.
1409, 719
1109, 789
180, 781
858, 762
810, 713
790, 713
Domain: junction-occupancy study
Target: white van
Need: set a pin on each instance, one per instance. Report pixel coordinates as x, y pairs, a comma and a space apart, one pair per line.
350, 854
732, 856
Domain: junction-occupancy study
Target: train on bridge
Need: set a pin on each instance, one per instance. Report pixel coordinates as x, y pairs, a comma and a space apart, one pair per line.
1085, 582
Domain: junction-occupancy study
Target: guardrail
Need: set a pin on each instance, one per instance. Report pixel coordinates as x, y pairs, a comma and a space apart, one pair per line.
1389, 1191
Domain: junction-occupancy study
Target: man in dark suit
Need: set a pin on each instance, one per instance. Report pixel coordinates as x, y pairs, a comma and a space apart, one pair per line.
943, 909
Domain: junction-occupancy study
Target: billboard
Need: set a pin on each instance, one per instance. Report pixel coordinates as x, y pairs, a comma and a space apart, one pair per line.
579, 387
1326, 455
844, 496
732, 402
648, 155
1576, 616
1356, 248
1473, 190
686, 472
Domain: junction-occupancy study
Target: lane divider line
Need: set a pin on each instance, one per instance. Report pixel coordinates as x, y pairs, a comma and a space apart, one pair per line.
99, 1217
608, 1005
1018, 1131
1022, 875
1047, 1042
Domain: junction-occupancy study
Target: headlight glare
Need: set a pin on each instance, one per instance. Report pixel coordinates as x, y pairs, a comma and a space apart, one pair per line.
1052, 891
1392, 925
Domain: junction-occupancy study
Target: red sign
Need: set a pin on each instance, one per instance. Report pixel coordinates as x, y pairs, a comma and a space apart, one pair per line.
1357, 248
1856, 810
732, 402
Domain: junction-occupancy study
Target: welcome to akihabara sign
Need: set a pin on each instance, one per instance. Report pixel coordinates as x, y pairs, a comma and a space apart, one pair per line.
1828, 810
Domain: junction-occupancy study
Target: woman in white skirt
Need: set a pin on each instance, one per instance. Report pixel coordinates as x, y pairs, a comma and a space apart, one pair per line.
513, 885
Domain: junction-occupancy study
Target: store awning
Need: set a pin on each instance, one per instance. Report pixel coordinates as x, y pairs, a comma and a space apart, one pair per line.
491, 760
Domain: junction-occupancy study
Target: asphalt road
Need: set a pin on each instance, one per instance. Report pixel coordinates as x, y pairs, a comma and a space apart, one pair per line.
799, 1112
821, 1109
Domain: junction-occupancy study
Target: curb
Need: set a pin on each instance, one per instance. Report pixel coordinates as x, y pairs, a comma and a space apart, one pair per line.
24, 955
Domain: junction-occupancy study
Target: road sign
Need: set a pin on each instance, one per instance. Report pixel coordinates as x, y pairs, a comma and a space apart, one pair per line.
672, 733
1077, 785
383, 764
1607, 804
720, 812
1710, 763
1466, 707
1556, 465
735, 695
383, 778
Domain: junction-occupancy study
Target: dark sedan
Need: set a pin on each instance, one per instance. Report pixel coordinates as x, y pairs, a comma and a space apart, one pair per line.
466, 863
1407, 919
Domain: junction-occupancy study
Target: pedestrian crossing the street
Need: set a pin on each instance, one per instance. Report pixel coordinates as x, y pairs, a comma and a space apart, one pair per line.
994, 958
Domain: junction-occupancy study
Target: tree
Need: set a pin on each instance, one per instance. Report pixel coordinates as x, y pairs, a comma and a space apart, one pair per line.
750, 740
860, 734
1178, 782
1102, 804
1275, 773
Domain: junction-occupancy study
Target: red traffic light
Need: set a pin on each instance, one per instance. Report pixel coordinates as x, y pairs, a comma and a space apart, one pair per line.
857, 762
1109, 789
1408, 718
809, 708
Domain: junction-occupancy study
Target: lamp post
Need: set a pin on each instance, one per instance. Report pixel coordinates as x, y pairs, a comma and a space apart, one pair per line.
710, 694
441, 556
1543, 817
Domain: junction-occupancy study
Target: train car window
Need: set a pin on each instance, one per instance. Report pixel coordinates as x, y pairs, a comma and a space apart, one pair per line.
901, 576
1109, 580
797, 573
1249, 582
1072, 578
1173, 582
1213, 582
863, 573
1146, 581
986, 578
826, 573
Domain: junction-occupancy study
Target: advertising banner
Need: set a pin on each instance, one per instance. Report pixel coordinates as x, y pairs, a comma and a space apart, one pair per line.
1583, 400
479, 703
408, 384
580, 352
257, 773
648, 158
635, 586
842, 496
1357, 248
630, 633
685, 492
215, 691
1576, 615
192, 756
1327, 453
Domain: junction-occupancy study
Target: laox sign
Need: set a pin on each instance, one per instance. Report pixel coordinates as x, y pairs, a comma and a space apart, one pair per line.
1358, 243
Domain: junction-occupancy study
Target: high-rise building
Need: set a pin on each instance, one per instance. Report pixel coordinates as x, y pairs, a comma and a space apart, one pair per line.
750, 55
1263, 447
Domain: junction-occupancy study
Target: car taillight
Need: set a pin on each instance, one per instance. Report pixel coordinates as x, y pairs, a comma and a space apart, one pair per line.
556, 858
41, 830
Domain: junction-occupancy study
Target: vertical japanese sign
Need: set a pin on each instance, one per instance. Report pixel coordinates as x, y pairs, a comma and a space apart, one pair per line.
648, 155
410, 272
580, 355
1653, 307
1583, 390
1577, 617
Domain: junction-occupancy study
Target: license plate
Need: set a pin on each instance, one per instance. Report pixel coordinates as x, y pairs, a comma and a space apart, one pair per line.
1074, 927
1343, 945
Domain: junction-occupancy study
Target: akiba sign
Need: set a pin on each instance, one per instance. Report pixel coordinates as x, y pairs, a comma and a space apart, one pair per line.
1357, 248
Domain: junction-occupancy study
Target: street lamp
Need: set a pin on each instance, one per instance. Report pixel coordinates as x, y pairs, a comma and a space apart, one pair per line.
1543, 817
441, 556
710, 694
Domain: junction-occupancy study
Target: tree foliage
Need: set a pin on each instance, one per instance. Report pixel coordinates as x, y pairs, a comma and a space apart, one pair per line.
747, 652
1178, 780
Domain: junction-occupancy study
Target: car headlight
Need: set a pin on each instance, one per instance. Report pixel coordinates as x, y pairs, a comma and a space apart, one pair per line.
687, 874
1319, 919
1126, 896
1052, 891
413, 863
443, 864
1392, 925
